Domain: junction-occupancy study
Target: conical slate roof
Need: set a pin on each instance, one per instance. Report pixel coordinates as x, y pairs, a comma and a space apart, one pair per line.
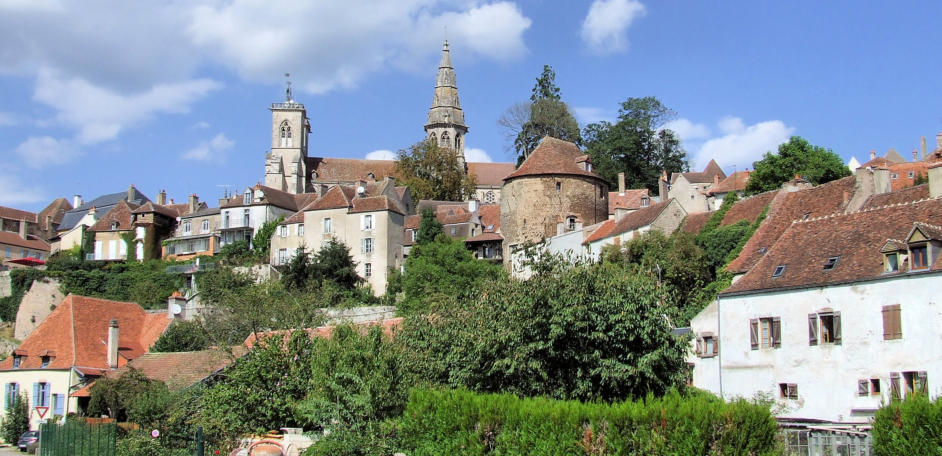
446, 108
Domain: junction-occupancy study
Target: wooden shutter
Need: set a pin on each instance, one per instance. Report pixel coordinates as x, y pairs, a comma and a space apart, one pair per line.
923, 387
36, 398
777, 332
6, 396
699, 349
887, 324
754, 333
58, 404
837, 328
863, 387
892, 327
716, 345
894, 386
812, 329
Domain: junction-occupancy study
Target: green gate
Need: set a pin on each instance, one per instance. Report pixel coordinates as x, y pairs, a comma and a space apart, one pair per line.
76, 438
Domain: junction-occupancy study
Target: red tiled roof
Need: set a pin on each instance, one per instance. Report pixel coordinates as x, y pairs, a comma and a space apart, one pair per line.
375, 203
786, 207
56, 209
695, 222
11, 238
270, 196
734, 183
905, 195
120, 213
902, 170
748, 208
182, 369
171, 211
490, 217
630, 200
388, 325
347, 170
77, 330
553, 157
490, 174
602, 232
702, 177
855, 238
17, 214
484, 237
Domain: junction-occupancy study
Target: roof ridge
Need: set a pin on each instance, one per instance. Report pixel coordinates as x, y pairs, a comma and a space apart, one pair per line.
867, 209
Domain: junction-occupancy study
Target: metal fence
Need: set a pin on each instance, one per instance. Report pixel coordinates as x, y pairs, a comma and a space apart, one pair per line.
76, 438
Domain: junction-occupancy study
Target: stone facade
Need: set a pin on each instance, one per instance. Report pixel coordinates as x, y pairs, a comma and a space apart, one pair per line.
43, 296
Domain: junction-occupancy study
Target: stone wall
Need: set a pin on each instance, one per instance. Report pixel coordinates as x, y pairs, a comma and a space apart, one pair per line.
5, 288
43, 296
531, 207
359, 314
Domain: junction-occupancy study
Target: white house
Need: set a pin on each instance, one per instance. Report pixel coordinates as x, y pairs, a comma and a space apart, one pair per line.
839, 316
246, 212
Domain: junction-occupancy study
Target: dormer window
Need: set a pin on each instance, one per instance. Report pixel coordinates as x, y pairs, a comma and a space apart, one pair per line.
891, 262
919, 257
830, 263
571, 223
17, 360
45, 362
645, 201
114, 225
779, 270
247, 198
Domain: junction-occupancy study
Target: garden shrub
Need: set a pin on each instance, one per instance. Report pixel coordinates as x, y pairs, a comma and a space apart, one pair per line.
911, 426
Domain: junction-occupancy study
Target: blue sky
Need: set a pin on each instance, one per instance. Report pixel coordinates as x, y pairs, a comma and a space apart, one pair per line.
174, 95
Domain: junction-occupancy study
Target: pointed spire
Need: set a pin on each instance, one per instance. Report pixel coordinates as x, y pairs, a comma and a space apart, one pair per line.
446, 58
446, 107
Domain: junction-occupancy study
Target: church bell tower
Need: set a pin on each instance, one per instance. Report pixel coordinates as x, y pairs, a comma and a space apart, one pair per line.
445, 118
285, 165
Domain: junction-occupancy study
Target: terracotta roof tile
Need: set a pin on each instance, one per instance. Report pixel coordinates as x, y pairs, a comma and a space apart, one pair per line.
17, 214
603, 231
56, 209
270, 196
182, 369
553, 156
702, 177
786, 207
748, 208
630, 200
120, 213
347, 170
77, 330
490, 217
902, 172
484, 237
733, 183
490, 174
639, 218
902, 196
855, 239
695, 222
11, 238
172, 211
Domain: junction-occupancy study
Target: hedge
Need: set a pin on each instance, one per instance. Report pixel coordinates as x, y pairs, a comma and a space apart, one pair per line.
694, 423
911, 426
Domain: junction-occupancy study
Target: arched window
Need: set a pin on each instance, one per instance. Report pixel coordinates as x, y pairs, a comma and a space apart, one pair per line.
286, 140
432, 137
446, 140
457, 142
489, 197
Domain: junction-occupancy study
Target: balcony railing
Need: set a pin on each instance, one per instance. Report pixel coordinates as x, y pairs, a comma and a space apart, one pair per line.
290, 105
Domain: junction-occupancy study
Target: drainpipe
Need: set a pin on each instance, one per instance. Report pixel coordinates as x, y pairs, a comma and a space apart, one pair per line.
719, 356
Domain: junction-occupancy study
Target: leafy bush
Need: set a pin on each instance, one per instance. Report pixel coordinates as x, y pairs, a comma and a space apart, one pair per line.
461, 422
911, 426
261, 243
147, 283
143, 444
182, 336
591, 332
21, 280
16, 421
236, 253
132, 396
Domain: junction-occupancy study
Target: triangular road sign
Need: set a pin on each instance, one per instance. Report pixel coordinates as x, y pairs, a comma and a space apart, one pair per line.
42, 411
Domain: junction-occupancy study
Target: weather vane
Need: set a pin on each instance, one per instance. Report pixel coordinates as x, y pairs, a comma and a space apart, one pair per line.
288, 96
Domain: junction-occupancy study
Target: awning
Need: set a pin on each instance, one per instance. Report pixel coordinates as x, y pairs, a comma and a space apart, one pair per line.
29, 261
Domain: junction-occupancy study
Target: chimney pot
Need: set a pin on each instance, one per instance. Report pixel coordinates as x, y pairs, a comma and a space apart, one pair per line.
113, 343
193, 203
162, 197
938, 141
621, 184
922, 145
76, 201
915, 154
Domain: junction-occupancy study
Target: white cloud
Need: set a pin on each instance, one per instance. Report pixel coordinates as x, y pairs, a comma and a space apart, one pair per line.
605, 28
587, 114
381, 154
13, 192
212, 150
742, 144
43, 151
687, 130
100, 114
343, 42
201, 125
477, 155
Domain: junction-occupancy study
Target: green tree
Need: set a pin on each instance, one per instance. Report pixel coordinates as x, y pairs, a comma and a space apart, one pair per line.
117, 397
545, 115
429, 228
16, 421
434, 172
637, 144
441, 269
334, 263
797, 157
183, 336
299, 270
590, 332
235, 253
261, 243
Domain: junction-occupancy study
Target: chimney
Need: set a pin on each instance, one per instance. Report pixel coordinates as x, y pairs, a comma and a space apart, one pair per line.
23, 230
935, 180
113, 344
132, 193
621, 184
716, 180
662, 186
922, 144
92, 211
48, 223
868, 181
194, 203
795, 185
473, 206
938, 141
76, 201
915, 155
873, 154
162, 197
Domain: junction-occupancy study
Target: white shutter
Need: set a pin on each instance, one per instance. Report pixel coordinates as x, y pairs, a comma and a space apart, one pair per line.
113, 249
99, 246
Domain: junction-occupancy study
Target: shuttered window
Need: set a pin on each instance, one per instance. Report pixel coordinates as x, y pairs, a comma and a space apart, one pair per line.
894, 386
824, 328
765, 332
892, 329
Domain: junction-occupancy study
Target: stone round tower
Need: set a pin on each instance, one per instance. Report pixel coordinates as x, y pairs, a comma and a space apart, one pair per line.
554, 187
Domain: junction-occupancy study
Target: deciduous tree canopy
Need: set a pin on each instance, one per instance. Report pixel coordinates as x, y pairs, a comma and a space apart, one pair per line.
797, 157
434, 172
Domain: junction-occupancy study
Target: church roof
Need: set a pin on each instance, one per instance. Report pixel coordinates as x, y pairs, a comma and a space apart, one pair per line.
346, 170
490, 174
554, 157
446, 108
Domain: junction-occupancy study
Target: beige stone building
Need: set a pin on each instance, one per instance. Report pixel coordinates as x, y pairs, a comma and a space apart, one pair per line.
368, 218
554, 187
692, 189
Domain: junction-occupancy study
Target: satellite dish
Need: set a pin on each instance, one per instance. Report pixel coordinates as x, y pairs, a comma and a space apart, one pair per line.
361, 190
178, 219
176, 309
